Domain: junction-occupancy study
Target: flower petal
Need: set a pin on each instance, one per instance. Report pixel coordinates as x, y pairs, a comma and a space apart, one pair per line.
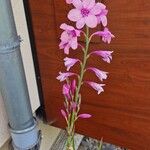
66, 49
74, 43
61, 45
63, 26
77, 4
88, 4
74, 15
102, 6
104, 20
70, 62
97, 9
91, 21
66, 27
80, 23
64, 36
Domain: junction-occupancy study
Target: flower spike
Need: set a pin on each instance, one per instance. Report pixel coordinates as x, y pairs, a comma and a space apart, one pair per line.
88, 14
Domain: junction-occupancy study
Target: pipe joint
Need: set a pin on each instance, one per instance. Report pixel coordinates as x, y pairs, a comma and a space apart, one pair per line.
26, 139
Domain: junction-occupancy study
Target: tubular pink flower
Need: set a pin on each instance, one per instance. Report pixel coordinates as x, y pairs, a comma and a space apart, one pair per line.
70, 62
96, 86
68, 38
102, 16
99, 73
105, 34
73, 87
64, 76
63, 113
66, 91
106, 55
85, 12
85, 116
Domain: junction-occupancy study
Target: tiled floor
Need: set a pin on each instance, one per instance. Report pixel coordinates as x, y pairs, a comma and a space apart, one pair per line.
49, 135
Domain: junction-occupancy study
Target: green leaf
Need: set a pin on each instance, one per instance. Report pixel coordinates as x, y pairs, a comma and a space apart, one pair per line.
100, 144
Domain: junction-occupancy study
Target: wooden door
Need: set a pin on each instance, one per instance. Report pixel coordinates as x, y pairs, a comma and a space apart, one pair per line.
121, 115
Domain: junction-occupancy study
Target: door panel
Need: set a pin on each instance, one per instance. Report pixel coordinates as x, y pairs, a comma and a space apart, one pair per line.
121, 115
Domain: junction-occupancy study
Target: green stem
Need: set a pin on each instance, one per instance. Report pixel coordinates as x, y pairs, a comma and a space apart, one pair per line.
70, 143
83, 64
73, 117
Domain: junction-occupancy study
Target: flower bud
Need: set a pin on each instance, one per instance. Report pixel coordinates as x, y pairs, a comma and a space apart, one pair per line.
63, 113
66, 91
85, 116
73, 87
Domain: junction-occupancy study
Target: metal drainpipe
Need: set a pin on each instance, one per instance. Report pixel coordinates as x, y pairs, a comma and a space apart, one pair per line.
13, 86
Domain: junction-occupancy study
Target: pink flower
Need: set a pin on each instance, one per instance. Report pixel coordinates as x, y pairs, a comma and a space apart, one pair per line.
63, 113
96, 86
73, 87
106, 35
85, 13
99, 73
70, 62
102, 16
66, 91
68, 38
85, 116
69, 1
64, 76
106, 55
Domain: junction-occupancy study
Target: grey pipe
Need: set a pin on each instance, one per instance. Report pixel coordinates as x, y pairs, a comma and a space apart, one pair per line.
13, 84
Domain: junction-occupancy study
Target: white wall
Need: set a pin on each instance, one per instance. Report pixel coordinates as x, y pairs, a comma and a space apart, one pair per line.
28, 65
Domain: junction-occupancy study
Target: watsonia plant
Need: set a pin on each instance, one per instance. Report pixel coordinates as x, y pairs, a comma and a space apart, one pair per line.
86, 14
